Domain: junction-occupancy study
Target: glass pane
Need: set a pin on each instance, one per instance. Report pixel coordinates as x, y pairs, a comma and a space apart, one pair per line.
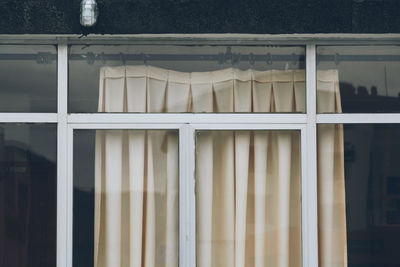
125, 198
248, 197
358, 79
178, 79
359, 195
28, 76
28, 195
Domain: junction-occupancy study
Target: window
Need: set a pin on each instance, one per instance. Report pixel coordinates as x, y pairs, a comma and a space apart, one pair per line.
28, 187
186, 78
135, 184
28, 77
364, 203
357, 190
204, 152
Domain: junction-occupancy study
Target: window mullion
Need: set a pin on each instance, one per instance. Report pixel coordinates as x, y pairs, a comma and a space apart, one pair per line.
64, 237
187, 202
309, 181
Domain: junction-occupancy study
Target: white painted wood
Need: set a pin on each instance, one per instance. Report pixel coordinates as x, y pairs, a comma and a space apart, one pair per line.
68, 202
309, 163
305, 199
62, 161
187, 201
182, 197
358, 118
149, 126
28, 117
265, 126
165, 118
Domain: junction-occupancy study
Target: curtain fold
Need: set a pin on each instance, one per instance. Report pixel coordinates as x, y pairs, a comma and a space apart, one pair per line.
248, 184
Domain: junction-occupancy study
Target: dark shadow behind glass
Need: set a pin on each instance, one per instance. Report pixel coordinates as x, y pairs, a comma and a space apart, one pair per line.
368, 76
28, 75
83, 217
372, 181
28, 195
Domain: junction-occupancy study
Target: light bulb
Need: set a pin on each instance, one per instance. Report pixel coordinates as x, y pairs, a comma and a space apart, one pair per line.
89, 13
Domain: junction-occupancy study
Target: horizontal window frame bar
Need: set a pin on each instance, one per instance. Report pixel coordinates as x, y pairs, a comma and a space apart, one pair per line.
248, 127
195, 126
126, 126
167, 118
28, 117
358, 118
173, 118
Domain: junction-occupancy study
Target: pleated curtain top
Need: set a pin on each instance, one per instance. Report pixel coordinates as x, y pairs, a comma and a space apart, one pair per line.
151, 89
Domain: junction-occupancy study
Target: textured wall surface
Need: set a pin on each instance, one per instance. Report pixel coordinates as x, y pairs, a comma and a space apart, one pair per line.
203, 16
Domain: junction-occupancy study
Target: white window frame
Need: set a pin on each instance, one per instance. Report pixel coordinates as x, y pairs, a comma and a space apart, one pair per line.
188, 123
187, 199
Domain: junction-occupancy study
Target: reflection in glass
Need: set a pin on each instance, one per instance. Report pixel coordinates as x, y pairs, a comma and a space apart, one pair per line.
248, 198
28, 195
186, 79
368, 77
365, 193
28, 75
126, 198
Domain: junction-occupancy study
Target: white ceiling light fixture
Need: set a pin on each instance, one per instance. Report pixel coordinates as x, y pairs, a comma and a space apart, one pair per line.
89, 13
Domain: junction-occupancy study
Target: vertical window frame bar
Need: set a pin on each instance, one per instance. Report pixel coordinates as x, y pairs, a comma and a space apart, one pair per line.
309, 163
63, 235
187, 199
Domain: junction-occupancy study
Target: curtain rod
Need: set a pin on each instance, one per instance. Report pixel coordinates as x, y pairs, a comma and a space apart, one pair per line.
45, 57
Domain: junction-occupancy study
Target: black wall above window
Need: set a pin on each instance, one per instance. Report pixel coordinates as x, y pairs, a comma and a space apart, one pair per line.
203, 16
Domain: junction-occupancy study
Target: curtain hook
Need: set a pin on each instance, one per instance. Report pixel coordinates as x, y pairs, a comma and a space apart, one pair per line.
337, 59
251, 59
294, 59
236, 59
122, 58
144, 58
221, 59
102, 58
43, 58
228, 54
90, 58
268, 59
228, 50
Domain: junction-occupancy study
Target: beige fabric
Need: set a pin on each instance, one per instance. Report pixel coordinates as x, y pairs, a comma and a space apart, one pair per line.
247, 182
248, 199
248, 194
136, 200
151, 89
331, 187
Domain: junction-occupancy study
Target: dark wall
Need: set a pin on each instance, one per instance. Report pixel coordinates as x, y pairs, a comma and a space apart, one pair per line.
203, 16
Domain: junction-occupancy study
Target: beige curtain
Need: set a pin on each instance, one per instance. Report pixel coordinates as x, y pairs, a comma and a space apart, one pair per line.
331, 187
242, 176
248, 198
136, 198
247, 183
